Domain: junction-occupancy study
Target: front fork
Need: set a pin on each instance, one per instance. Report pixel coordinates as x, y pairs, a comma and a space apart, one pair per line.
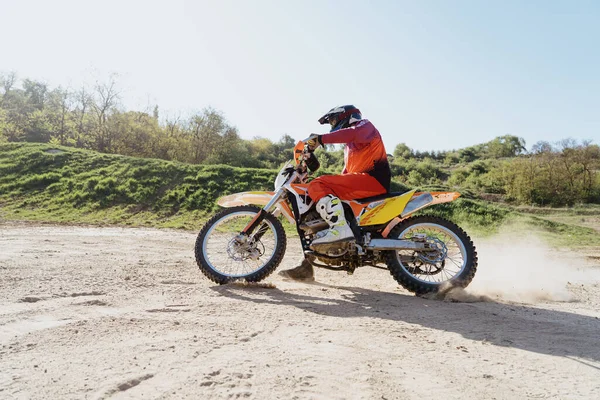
260, 216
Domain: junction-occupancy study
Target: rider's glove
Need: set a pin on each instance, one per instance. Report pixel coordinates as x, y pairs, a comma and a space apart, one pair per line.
313, 141
311, 161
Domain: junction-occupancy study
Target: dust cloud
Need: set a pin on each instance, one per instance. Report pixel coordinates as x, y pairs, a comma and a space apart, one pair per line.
522, 268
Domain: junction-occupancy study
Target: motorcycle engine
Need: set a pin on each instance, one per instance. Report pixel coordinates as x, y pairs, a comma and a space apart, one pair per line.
313, 225
332, 250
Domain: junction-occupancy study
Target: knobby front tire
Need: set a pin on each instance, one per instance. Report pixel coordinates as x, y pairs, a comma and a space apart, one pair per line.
206, 262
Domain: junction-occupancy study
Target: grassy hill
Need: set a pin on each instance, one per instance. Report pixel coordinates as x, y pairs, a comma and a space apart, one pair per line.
42, 182
63, 184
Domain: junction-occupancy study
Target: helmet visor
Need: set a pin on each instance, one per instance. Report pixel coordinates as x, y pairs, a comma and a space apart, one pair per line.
333, 121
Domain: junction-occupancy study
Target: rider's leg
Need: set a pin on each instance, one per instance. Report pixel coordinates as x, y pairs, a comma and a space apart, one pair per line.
328, 190
332, 211
345, 187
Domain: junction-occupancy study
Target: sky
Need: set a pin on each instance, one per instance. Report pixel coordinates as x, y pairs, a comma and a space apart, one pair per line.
436, 75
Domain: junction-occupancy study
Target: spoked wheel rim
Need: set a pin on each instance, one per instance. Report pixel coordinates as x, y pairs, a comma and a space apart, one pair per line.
227, 255
446, 263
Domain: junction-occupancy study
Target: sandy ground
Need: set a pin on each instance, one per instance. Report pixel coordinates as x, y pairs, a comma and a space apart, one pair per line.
124, 313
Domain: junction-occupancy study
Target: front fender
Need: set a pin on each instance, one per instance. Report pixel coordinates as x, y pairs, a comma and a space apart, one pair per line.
245, 198
256, 198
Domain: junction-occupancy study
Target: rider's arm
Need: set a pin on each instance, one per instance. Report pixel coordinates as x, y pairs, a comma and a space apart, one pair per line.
363, 132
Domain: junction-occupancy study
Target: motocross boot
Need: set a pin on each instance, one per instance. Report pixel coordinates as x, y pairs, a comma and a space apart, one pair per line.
303, 272
331, 210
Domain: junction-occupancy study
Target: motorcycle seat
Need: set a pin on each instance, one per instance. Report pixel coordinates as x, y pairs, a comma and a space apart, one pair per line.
379, 197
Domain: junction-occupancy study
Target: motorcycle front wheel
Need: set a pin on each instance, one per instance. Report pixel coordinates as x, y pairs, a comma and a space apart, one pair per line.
452, 263
223, 255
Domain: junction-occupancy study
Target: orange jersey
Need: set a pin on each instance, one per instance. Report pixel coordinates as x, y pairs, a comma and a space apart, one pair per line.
364, 151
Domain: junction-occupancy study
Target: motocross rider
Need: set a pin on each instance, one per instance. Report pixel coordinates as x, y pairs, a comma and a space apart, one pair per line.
366, 173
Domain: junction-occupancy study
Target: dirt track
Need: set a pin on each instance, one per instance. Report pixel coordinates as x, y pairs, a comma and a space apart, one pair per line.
124, 313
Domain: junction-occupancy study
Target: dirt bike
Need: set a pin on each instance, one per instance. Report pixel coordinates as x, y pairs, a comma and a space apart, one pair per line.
247, 242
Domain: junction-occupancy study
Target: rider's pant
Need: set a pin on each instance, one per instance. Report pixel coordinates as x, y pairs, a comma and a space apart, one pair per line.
345, 187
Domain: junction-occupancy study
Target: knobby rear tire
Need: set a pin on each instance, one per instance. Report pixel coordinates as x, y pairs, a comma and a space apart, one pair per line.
256, 276
412, 284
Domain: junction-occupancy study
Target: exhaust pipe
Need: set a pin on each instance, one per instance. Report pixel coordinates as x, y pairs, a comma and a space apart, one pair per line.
314, 226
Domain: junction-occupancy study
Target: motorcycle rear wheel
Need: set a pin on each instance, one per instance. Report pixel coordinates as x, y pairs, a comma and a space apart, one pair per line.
455, 266
222, 259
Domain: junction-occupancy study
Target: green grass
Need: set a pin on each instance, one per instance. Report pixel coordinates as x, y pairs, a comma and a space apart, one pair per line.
79, 186
39, 182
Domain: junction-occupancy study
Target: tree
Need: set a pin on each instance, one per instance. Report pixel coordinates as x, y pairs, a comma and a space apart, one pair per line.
105, 100
61, 115
83, 101
36, 93
403, 151
505, 146
286, 143
7, 81
541, 147
589, 158
467, 155
3, 126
